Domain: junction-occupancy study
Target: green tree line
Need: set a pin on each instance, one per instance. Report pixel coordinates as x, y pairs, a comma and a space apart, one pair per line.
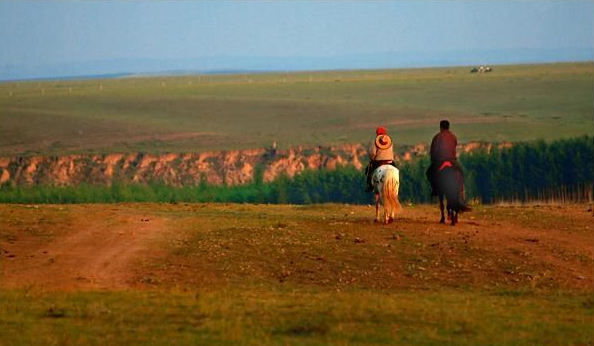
561, 170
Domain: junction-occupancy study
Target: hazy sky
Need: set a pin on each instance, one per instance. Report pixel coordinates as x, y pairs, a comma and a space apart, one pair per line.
38, 33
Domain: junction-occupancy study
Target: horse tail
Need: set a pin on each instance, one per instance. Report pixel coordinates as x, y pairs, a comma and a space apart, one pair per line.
454, 190
458, 205
390, 191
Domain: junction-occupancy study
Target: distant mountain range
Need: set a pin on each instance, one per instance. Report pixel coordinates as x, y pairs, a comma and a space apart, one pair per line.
243, 64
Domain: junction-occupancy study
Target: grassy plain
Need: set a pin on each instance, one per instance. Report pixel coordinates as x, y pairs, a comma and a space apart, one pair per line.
220, 112
227, 274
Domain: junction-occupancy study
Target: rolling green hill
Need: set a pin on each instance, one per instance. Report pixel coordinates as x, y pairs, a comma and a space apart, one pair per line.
219, 112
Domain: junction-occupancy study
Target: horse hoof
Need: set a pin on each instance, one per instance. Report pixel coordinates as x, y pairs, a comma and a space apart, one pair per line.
390, 220
442, 220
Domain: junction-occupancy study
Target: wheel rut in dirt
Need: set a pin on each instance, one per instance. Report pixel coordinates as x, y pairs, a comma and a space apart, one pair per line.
98, 250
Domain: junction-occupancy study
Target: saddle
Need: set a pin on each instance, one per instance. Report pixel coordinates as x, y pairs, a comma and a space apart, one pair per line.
444, 165
384, 162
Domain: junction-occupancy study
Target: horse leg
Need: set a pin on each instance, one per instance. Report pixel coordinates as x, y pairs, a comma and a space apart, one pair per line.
385, 207
389, 211
454, 217
441, 208
377, 198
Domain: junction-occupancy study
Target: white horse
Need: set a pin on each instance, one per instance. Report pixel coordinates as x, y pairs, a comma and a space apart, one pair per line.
386, 181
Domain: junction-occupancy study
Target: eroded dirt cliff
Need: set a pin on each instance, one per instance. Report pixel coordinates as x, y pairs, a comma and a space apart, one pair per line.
224, 167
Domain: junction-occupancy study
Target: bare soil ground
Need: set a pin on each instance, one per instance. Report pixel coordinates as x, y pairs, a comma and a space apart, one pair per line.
204, 246
75, 247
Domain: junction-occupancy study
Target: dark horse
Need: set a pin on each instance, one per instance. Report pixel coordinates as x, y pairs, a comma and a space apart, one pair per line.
449, 185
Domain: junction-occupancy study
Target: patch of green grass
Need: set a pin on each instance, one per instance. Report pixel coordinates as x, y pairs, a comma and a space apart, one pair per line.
260, 316
198, 113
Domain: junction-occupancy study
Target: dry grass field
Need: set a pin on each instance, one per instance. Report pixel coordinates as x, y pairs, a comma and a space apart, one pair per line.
295, 275
256, 274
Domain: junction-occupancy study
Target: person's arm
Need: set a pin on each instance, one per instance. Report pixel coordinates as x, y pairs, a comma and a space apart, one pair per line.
372, 151
455, 146
433, 151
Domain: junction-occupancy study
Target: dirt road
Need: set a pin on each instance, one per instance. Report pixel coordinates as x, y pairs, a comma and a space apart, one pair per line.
83, 247
134, 246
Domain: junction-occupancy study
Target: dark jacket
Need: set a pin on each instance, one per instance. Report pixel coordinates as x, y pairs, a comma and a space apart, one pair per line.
443, 147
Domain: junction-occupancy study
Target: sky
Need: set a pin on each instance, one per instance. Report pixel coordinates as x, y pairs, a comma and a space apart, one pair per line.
45, 38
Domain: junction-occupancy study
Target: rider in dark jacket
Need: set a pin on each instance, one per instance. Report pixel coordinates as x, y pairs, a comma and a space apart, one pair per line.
443, 149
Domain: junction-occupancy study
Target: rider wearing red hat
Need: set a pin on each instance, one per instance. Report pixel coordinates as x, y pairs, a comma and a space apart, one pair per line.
381, 153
